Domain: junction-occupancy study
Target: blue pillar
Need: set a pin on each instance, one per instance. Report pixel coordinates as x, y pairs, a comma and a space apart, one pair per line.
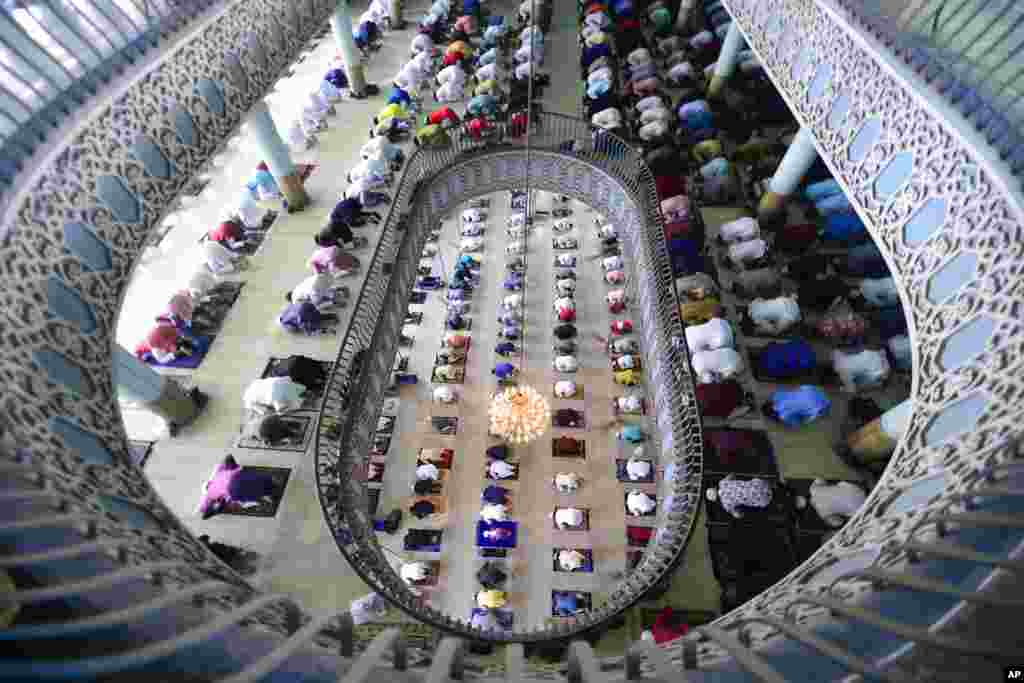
136, 381
277, 157
799, 158
727, 60
341, 22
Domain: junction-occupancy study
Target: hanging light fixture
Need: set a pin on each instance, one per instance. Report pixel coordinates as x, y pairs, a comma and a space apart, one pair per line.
519, 414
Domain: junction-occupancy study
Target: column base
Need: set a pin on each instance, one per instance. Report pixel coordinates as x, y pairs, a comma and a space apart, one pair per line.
356, 81
716, 87
772, 207
294, 192
177, 407
870, 443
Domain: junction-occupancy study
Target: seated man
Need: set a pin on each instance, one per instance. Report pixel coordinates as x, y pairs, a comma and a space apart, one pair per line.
566, 603
447, 373
565, 331
376, 173
565, 389
504, 371
571, 559
428, 471
621, 326
491, 575
505, 348
511, 332
639, 503
230, 233
422, 508
350, 211
514, 282
332, 260
456, 341
279, 394
499, 469
318, 290
567, 482
219, 259
494, 494
231, 483
569, 518
335, 234
733, 493
638, 470
630, 434
415, 572
629, 404
491, 599
494, 512
305, 317
625, 362
566, 363
164, 343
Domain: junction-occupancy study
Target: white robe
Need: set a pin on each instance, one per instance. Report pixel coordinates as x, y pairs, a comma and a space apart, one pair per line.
862, 370
566, 363
280, 393
717, 365
565, 389
714, 334
740, 230
837, 502
744, 252
774, 316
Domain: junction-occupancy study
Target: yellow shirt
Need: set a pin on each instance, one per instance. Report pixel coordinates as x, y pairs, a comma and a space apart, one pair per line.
699, 312
627, 377
491, 599
459, 46
707, 150
392, 111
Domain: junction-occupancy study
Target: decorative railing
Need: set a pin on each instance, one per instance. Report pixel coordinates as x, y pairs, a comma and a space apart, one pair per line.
565, 157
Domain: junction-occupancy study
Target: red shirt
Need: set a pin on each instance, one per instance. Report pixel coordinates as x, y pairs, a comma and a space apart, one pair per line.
228, 231
443, 114
566, 315
452, 58
163, 337
477, 126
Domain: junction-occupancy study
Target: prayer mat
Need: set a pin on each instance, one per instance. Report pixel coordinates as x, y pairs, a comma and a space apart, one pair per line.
568, 447
211, 310
279, 476
445, 425
493, 553
431, 537
588, 561
633, 558
585, 526
140, 451
629, 514
621, 475
555, 246
584, 602
311, 399
187, 362
739, 451
303, 426
578, 396
484, 542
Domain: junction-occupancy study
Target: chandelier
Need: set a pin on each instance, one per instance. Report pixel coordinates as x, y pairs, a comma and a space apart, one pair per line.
519, 414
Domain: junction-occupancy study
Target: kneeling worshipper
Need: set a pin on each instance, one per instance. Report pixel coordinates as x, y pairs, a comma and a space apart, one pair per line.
332, 260
504, 371
637, 469
279, 394
231, 483
565, 389
415, 572
567, 482
422, 508
505, 348
491, 575
445, 395
569, 518
629, 404
566, 603
734, 493
630, 434
499, 452
379, 148
456, 341
565, 331
273, 429
484, 620
566, 363
230, 233
571, 559
639, 503
799, 406
164, 344
301, 369
834, 503
494, 494
499, 469
306, 318
447, 373
318, 290
491, 599
219, 259
494, 512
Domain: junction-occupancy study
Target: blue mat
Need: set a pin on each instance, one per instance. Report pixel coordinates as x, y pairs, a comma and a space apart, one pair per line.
509, 542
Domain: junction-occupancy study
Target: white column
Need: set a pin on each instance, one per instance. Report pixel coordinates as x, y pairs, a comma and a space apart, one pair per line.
727, 60
799, 158
341, 23
276, 155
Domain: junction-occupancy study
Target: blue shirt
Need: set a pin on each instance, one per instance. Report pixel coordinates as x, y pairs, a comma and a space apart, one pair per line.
301, 317
505, 347
495, 494
399, 96
337, 77
632, 433
346, 210
503, 370
566, 603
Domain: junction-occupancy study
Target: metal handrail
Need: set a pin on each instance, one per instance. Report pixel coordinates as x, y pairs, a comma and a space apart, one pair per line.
351, 408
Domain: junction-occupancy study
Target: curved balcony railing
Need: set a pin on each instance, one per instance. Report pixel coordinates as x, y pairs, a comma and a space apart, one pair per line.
565, 157
920, 585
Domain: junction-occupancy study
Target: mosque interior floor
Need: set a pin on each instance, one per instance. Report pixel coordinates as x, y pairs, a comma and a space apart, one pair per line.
299, 554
